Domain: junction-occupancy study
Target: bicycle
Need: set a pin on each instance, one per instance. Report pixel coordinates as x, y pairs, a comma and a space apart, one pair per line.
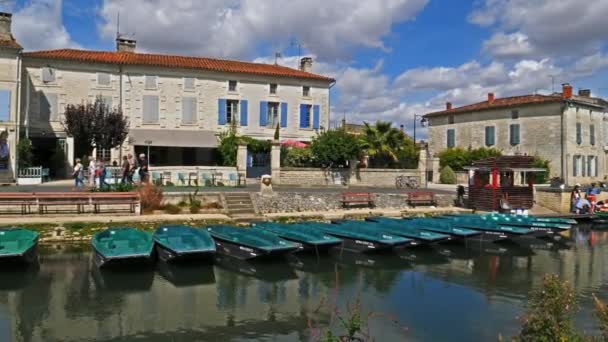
410, 182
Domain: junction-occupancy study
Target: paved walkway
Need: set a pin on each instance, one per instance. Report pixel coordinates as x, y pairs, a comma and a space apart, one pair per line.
24, 220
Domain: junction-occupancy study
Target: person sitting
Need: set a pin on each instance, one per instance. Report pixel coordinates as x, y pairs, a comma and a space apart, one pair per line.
575, 196
505, 206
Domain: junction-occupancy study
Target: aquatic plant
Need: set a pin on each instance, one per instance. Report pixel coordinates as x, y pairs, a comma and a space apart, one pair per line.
601, 311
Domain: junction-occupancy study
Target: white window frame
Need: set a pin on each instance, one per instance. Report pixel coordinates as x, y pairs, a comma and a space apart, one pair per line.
592, 166
195, 107
146, 83
276, 88
143, 111
232, 111
577, 161
52, 72
306, 91
193, 83
236, 86
273, 117
109, 79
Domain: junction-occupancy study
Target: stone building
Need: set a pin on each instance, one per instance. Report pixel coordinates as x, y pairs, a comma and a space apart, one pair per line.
176, 105
571, 131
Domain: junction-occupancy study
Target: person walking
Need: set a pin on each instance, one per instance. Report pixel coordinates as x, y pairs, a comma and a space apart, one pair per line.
92, 170
125, 170
143, 168
103, 173
132, 167
78, 174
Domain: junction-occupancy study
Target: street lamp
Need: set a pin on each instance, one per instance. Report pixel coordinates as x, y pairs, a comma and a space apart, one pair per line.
148, 142
423, 122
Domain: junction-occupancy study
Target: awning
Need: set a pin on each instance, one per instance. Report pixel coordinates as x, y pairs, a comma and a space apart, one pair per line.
172, 138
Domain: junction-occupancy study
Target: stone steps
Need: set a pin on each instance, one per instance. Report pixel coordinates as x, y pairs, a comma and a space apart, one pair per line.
240, 207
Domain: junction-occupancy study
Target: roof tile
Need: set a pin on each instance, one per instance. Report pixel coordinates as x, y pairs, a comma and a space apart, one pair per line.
500, 103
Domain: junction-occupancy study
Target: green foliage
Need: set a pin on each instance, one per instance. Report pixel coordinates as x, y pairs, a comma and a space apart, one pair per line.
335, 148
24, 151
387, 146
256, 145
194, 203
297, 157
447, 176
276, 133
229, 141
457, 158
351, 323
550, 311
601, 311
120, 187
172, 209
541, 177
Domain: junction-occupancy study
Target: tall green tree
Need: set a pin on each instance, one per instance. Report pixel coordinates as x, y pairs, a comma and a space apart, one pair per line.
387, 146
335, 148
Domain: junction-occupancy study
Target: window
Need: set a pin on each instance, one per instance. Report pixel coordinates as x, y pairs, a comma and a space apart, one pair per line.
577, 163
150, 82
592, 135
514, 134
592, 166
579, 133
514, 114
451, 138
490, 136
103, 79
189, 83
232, 86
103, 154
232, 111
48, 107
273, 114
306, 91
48, 75
451, 119
106, 100
273, 88
150, 109
5, 105
305, 116
188, 110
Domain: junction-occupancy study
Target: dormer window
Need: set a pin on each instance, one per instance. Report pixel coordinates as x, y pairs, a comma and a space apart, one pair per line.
273, 88
514, 114
189, 83
232, 86
48, 75
451, 119
306, 91
103, 79
150, 82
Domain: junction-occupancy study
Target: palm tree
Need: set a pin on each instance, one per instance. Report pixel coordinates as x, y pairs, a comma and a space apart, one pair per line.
382, 142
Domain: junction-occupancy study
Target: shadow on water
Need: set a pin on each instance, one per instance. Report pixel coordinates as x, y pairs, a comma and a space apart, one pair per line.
186, 274
123, 279
16, 277
266, 270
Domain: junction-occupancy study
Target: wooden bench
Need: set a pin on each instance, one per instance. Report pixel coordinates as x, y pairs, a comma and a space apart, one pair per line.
22, 199
50, 199
358, 198
421, 197
114, 198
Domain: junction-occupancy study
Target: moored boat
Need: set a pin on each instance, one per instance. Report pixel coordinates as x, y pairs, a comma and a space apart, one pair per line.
120, 246
363, 239
429, 225
488, 227
423, 237
18, 245
249, 243
179, 242
311, 239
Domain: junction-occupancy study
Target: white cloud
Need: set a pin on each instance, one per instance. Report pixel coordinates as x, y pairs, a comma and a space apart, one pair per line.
235, 28
590, 64
39, 25
543, 27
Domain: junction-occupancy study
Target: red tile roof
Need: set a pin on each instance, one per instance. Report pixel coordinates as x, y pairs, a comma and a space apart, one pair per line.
500, 103
169, 61
10, 43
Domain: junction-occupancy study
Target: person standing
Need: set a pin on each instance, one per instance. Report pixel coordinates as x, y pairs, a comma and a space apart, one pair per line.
125, 170
143, 168
78, 174
92, 171
102, 175
132, 167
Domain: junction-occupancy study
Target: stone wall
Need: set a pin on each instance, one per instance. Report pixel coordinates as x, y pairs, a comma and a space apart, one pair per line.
559, 200
359, 177
314, 201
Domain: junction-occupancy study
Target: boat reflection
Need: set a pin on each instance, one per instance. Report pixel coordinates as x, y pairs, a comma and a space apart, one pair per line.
262, 270
16, 277
186, 274
122, 280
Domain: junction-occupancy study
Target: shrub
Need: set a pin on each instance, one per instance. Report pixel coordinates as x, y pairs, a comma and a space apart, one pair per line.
335, 148
182, 204
151, 197
298, 157
195, 209
541, 177
601, 311
447, 176
549, 313
457, 158
172, 209
24, 151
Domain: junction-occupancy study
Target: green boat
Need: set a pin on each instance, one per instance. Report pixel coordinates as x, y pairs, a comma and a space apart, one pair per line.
310, 239
122, 246
558, 220
540, 228
363, 239
18, 245
448, 226
422, 236
249, 243
487, 226
430, 225
179, 242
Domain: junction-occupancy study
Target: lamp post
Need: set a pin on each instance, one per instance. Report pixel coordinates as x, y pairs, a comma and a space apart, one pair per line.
423, 122
148, 142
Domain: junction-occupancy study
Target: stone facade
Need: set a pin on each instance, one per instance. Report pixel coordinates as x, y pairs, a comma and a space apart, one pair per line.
343, 177
547, 130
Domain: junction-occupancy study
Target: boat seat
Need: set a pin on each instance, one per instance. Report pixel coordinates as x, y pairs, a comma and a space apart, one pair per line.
10, 245
120, 244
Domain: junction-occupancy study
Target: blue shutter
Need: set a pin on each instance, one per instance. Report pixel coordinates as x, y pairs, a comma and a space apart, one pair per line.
243, 112
490, 135
592, 135
451, 138
221, 111
303, 123
5, 105
514, 134
283, 114
315, 117
579, 133
263, 113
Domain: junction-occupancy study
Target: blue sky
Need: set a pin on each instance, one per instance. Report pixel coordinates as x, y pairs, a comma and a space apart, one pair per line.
392, 58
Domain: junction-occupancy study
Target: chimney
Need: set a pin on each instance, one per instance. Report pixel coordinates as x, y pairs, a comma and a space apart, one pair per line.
566, 91
5, 26
584, 92
124, 44
306, 64
448, 106
490, 97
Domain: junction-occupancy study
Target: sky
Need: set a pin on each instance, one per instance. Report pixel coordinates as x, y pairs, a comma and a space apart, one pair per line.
392, 59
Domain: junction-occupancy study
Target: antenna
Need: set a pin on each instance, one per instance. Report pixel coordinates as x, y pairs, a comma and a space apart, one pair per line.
117, 24
277, 55
552, 83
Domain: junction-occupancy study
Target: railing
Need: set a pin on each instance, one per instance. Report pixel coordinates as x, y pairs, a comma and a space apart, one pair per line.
33, 172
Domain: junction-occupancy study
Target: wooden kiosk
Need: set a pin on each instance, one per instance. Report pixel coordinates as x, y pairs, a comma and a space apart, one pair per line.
507, 177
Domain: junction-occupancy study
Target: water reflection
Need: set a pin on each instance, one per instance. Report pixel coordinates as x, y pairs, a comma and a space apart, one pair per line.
66, 298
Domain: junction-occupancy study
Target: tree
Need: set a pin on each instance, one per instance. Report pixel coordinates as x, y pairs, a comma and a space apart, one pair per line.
447, 176
335, 148
386, 145
95, 125
457, 158
24, 151
276, 133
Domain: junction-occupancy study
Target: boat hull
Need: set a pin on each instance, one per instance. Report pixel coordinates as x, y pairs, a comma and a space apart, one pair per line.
30, 256
366, 246
139, 260
166, 254
241, 252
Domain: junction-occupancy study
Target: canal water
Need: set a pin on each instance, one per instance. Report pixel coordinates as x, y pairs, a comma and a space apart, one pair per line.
472, 295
